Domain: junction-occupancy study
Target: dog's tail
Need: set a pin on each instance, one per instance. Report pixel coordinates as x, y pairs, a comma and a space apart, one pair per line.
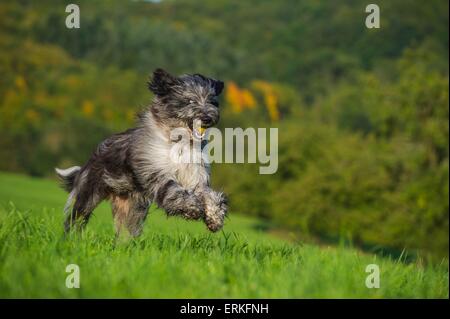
67, 177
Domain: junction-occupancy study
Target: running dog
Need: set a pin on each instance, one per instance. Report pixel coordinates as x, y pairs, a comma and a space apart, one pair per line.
135, 168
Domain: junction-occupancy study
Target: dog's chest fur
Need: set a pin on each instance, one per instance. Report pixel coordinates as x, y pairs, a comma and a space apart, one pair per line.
184, 160
157, 154
187, 163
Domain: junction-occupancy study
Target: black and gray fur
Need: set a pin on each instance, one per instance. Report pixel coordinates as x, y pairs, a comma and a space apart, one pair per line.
133, 169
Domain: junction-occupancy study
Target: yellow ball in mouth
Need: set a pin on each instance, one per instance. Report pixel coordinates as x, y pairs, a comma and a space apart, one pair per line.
199, 132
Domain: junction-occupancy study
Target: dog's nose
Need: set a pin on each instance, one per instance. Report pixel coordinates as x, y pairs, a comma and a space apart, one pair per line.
206, 120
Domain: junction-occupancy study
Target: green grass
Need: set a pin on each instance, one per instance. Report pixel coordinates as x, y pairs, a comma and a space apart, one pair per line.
179, 259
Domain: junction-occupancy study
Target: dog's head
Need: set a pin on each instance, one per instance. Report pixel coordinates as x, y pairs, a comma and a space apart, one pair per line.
186, 100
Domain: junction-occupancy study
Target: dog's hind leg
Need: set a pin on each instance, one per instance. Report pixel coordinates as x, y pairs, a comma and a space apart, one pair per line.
82, 209
120, 209
137, 215
131, 212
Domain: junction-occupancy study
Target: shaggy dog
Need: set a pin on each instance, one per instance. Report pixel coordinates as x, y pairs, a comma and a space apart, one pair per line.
137, 167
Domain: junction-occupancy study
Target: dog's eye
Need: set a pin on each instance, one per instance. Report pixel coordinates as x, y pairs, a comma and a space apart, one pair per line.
214, 102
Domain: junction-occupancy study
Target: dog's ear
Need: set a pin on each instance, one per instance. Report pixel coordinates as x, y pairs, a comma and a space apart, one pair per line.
218, 86
161, 82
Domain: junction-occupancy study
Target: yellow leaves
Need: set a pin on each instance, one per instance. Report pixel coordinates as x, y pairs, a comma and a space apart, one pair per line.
270, 98
272, 106
238, 98
232, 97
87, 108
248, 99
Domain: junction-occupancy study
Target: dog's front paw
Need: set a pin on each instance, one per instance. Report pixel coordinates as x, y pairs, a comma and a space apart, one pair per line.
194, 207
216, 206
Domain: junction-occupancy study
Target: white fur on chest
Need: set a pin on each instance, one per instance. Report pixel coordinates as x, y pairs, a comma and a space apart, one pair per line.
186, 160
181, 160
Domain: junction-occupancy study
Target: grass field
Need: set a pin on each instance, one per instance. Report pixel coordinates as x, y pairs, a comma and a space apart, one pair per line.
179, 259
